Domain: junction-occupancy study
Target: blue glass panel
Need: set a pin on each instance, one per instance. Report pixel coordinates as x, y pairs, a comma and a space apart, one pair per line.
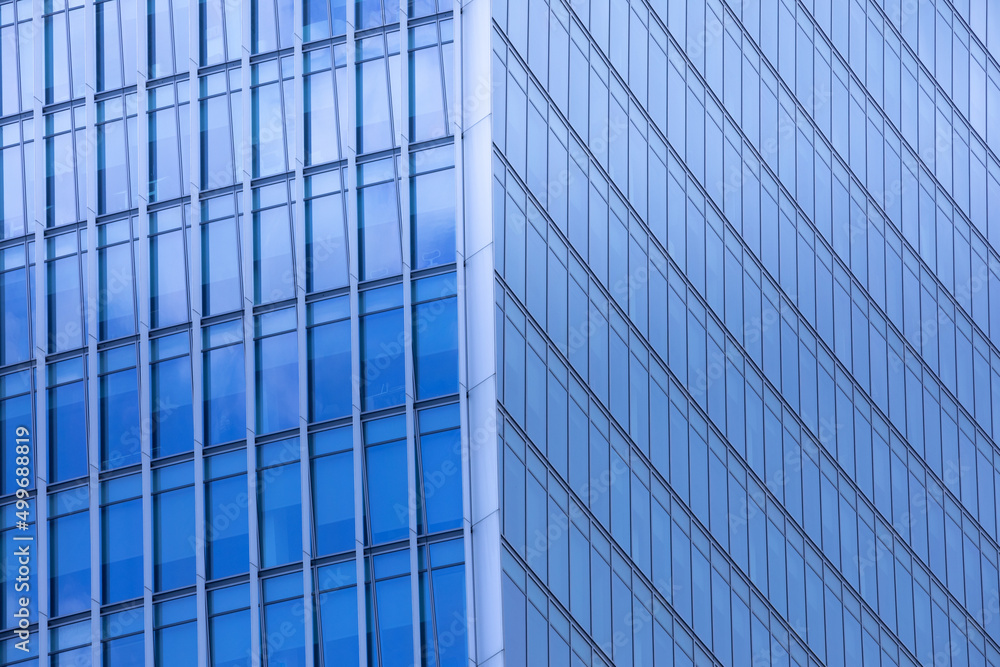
173, 539
385, 488
226, 529
121, 548
330, 371
277, 383
280, 515
69, 575
382, 360
225, 400
441, 464
333, 502
339, 618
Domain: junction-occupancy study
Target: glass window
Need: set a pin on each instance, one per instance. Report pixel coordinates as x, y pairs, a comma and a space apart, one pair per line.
442, 604
70, 644
330, 374
169, 141
115, 45
333, 490
431, 58
432, 207
64, 50
16, 50
326, 232
115, 279
221, 286
168, 255
279, 502
65, 166
221, 122
175, 632
67, 289
385, 480
277, 371
377, 88
323, 18
120, 432
69, 536
284, 630
226, 525
271, 25
440, 464
173, 527
382, 357
435, 336
225, 386
167, 37
229, 626
123, 638
67, 423
121, 539
272, 116
221, 31
116, 154
14, 533
338, 612
387, 587
171, 409
378, 220
325, 103
17, 284
273, 266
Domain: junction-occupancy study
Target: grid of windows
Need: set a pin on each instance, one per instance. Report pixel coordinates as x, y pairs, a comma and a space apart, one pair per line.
241, 254
747, 286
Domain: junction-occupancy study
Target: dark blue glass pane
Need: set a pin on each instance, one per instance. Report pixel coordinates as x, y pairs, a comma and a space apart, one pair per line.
386, 490
435, 348
277, 383
176, 645
382, 359
124, 652
121, 548
173, 539
67, 432
395, 622
172, 419
449, 612
330, 371
225, 400
226, 527
280, 515
14, 339
120, 434
333, 502
285, 633
441, 465
69, 575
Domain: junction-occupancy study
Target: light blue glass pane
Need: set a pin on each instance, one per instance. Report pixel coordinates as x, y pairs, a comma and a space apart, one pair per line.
378, 224
14, 339
395, 622
116, 287
449, 610
277, 383
326, 243
273, 256
339, 618
176, 645
220, 267
284, 620
229, 636
432, 201
168, 302
124, 652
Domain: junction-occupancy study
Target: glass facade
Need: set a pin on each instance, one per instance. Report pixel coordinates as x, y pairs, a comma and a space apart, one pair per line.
522, 332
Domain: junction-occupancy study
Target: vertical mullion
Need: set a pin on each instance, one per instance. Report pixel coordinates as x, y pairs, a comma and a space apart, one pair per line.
90, 77
142, 288
249, 345
41, 334
301, 277
350, 190
196, 360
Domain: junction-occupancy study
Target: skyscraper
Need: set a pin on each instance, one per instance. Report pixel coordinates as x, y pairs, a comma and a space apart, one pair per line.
504, 332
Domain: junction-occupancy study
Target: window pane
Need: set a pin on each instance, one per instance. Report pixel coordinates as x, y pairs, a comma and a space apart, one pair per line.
378, 219
385, 485
280, 514
67, 432
339, 613
432, 218
168, 302
69, 575
225, 396
220, 267
121, 571
330, 371
120, 432
227, 531
173, 428
435, 347
333, 502
441, 464
173, 539
382, 359
277, 383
